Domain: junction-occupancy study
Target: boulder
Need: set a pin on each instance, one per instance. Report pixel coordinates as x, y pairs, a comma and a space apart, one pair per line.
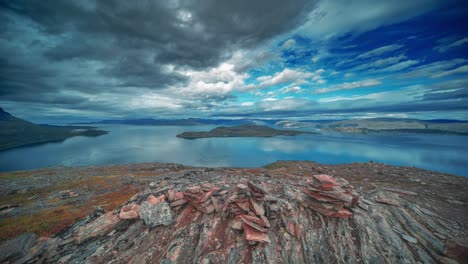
156, 215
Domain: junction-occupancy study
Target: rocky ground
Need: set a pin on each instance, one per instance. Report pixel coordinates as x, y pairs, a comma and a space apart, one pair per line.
282, 213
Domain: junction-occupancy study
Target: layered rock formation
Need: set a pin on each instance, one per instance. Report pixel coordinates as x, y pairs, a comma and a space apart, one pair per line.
258, 216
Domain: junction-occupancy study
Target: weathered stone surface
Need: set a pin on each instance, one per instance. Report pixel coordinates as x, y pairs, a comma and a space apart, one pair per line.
16, 248
156, 215
98, 227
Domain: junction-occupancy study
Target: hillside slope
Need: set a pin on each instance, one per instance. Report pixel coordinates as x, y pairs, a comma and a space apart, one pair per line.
283, 213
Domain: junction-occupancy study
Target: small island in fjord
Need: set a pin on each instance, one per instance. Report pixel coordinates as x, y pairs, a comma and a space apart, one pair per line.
242, 131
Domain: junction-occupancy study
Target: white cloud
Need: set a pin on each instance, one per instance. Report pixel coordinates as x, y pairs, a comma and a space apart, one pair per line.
335, 17
379, 51
407, 94
399, 66
247, 104
380, 63
444, 47
294, 89
215, 81
349, 86
462, 69
432, 69
289, 44
286, 76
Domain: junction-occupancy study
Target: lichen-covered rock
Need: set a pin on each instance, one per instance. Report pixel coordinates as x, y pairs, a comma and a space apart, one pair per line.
156, 215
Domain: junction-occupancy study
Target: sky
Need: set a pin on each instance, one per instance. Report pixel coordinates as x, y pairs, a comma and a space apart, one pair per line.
272, 59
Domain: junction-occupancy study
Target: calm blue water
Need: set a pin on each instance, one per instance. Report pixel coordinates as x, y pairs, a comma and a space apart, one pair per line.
130, 144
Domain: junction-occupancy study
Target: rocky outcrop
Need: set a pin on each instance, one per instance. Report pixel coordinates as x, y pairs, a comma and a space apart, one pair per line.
259, 216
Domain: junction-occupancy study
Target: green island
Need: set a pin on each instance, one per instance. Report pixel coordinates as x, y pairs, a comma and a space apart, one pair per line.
242, 131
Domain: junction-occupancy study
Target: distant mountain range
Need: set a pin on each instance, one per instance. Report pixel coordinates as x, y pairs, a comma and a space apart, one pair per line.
380, 125
16, 132
368, 125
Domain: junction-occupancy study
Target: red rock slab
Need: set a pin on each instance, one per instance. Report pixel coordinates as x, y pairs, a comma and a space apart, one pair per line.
174, 195
243, 204
178, 203
343, 213
252, 234
319, 196
342, 196
254, 219
129, 211
207, 195
257, 207
155, 200
325, 179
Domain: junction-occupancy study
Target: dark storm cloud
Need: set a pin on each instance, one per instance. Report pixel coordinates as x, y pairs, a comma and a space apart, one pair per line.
129, 43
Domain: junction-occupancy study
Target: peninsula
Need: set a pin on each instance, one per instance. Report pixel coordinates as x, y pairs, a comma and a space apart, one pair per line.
16, 132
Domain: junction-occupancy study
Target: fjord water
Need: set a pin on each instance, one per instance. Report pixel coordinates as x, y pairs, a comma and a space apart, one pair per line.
133, 144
